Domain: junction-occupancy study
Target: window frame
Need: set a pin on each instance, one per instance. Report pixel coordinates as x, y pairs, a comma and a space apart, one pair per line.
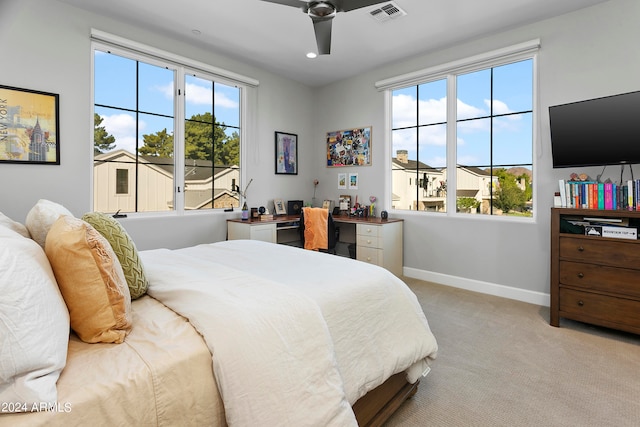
450, 71
101, 41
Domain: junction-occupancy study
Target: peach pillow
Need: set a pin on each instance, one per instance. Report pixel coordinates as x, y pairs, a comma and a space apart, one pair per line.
91, 281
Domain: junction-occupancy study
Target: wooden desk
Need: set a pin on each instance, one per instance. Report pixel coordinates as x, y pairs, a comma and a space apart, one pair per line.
377, 241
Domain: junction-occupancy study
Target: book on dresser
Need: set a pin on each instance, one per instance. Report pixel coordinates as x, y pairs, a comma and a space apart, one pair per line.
600, 195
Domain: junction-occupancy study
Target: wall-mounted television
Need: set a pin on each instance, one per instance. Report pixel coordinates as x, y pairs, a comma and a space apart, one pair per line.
596, 132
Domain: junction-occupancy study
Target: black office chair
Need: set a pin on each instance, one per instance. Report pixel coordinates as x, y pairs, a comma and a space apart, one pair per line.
333, 233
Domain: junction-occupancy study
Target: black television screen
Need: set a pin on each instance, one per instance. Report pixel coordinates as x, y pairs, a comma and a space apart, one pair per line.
597, 132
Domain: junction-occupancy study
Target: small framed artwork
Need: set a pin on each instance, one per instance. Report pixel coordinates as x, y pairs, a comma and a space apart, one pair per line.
286, 153
353, 181
342, 181
29, 126
345, 202
349, 147
278, 207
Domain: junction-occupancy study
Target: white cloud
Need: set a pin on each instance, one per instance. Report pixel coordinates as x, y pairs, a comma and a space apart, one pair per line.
123, 128
199, 95
466, 111
166, 90
499, 107
404, 110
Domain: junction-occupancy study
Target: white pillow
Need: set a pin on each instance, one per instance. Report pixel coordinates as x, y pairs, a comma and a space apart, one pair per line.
5, 221
34, 323
41, 217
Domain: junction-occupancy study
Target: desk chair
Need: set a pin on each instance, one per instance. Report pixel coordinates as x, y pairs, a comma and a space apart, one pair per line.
333, 232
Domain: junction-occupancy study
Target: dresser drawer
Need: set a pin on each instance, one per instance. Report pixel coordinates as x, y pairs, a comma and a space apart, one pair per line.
601, 251
370, 255
609, 310
368, 241
367, 230
602, 278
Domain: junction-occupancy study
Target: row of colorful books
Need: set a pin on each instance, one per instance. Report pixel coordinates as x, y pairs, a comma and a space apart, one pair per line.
600, 195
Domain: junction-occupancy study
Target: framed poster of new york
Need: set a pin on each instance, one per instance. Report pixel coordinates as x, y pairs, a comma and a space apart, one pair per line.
29, 126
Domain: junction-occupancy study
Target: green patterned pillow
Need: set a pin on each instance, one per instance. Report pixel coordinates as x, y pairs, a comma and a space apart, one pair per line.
124, 248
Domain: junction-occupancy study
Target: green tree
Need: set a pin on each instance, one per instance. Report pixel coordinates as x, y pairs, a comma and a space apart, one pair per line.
159, 144
227, 150
102, 141
207, 140
508, 195
199, 131
204, 140
466, 203
528, 189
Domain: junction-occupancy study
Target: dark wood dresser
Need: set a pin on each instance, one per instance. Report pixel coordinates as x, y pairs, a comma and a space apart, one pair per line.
594, 279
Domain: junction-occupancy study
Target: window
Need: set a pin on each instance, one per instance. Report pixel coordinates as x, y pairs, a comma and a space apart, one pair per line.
167, 136
420, 144
122, 181
486, 136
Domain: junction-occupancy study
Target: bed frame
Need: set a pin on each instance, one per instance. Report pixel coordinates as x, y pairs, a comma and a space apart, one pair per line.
374, 408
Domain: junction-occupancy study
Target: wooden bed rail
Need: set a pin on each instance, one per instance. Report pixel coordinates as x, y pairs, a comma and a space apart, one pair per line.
374, 408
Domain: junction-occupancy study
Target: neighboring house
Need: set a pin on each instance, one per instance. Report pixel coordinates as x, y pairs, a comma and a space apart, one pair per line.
155, 183
475, 182
411, 177
430, 187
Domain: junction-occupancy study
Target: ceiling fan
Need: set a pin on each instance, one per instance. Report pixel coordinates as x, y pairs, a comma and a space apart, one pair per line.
322, 13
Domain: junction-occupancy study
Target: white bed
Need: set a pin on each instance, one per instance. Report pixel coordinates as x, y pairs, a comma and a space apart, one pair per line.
283, 322
246, 333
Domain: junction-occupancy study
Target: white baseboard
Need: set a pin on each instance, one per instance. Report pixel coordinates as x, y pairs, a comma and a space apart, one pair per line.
523, 295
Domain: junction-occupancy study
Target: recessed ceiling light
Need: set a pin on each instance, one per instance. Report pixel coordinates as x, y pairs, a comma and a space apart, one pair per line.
196, 32
311, 55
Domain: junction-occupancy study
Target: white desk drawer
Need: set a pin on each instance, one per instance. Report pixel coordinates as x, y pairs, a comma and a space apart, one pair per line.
370, 255
368, 241
367, 230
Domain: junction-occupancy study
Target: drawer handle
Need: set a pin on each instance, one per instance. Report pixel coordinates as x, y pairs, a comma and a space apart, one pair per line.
580, 303
369, 241
580, 275
368, 258
580, 249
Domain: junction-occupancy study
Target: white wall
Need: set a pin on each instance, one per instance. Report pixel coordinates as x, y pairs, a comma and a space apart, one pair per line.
589, 53
585, 54
45, 46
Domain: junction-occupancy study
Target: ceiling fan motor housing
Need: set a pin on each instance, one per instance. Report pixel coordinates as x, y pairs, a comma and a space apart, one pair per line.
321, 10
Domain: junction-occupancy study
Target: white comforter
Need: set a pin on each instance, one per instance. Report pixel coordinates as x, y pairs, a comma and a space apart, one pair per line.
296, 336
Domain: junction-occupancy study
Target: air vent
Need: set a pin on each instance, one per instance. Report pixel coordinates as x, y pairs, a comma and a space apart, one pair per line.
387, 12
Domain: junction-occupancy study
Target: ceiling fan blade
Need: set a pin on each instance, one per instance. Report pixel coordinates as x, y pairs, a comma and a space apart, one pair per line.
347, 5
295, 3
322, 28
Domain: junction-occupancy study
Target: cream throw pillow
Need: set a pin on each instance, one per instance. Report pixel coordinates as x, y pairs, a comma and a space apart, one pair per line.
34, 324
91, 281
125, 250
41, 217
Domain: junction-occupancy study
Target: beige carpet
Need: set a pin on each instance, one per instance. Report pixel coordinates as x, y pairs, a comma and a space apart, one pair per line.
501, 364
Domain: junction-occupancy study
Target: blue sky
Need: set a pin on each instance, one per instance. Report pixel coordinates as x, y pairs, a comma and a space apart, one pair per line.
115, 85
512, 135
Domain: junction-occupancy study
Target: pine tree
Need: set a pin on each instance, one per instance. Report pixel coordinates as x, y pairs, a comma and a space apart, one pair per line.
102, 141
